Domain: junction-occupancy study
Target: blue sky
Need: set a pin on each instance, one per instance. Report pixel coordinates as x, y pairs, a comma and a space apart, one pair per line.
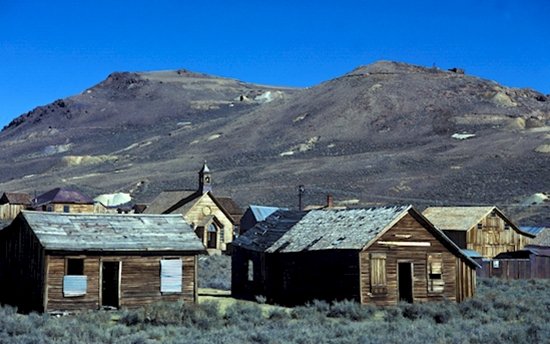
55, 49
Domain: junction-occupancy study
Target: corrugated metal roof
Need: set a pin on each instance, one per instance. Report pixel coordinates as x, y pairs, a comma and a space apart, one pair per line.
472, 253
532, 230
456, 218
262, 212
112, 232
337, 229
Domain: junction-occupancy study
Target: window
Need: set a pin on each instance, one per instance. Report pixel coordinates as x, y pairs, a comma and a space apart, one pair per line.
74, 266
506, 226
479, 226
250, 271
434, 266
75, 283
171, 276
378, 273
496, 264
66, 209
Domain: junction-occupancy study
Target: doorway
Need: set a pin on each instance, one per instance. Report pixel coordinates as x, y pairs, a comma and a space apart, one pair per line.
110, 284
404, 279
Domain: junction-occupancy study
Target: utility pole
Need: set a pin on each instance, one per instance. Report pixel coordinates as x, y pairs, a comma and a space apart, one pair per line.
301, 190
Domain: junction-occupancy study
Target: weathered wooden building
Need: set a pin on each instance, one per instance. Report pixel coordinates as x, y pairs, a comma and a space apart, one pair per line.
376, 255
71, 262
528, 263
214, 219
483, 229
11, 203
63, 200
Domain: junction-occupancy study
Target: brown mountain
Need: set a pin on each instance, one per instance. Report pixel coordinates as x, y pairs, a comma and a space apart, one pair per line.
382, 133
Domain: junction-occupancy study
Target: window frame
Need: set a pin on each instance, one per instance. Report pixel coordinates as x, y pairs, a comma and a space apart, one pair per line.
75, 284
379, 280
434, 273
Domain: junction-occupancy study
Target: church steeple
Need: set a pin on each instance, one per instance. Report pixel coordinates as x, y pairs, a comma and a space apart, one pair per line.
205, 179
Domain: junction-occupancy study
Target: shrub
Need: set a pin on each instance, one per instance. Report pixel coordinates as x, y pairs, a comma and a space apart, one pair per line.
350, 310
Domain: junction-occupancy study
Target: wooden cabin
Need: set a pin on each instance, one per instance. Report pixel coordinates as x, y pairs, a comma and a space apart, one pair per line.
482, 229
214, 219
63, 200
54, 262
11, 203
374, 256
529, 263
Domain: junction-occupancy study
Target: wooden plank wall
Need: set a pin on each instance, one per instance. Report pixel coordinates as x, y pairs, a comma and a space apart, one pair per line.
10, 211
196, 214
409, 230
535, 267
21, 268
140, 282
493, 238
73, 208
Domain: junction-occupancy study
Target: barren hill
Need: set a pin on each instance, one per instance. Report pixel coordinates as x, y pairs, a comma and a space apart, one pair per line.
382, 133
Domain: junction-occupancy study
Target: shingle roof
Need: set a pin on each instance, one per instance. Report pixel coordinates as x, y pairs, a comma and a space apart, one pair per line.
464, 218
542, 238
337, 229
61, 195
231, 207
167, 199
291, 231
16, 198
456, 218
112, 232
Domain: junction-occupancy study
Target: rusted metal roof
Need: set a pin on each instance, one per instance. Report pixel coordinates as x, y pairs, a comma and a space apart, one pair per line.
62, 195
112, 232
21, 198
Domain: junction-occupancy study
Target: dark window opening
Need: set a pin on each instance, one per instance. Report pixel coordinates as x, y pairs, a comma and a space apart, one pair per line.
479, 226
75, 266
435, 276
66, 209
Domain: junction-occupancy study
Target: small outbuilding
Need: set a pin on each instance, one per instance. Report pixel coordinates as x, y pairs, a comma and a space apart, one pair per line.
53, 262
528, 263
377, 255
11, 203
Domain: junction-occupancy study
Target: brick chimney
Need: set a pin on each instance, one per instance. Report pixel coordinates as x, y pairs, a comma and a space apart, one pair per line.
330, 201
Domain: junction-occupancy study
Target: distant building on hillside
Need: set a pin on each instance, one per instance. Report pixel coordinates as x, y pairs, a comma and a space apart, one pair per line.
485, 230
63, 200
214, 219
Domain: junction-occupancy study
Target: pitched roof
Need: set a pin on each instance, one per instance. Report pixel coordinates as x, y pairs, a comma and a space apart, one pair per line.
16, 198
230, 206
166, 199
292, 231
261, 212
532, 230
62, 195
112, 232
456, 218
338, 229
542, 238
464, 218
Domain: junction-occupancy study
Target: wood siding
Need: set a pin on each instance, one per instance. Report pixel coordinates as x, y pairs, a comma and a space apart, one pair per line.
408, 241
199, 212
493, 237
139, 282
73, 208
21, 268
10, 211
533, 267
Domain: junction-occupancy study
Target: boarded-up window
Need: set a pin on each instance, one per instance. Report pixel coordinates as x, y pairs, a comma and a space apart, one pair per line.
170, 276
74, 285
378, 283
434, 265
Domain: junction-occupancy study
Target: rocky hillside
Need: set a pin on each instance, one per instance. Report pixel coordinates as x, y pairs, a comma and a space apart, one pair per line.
383, 133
